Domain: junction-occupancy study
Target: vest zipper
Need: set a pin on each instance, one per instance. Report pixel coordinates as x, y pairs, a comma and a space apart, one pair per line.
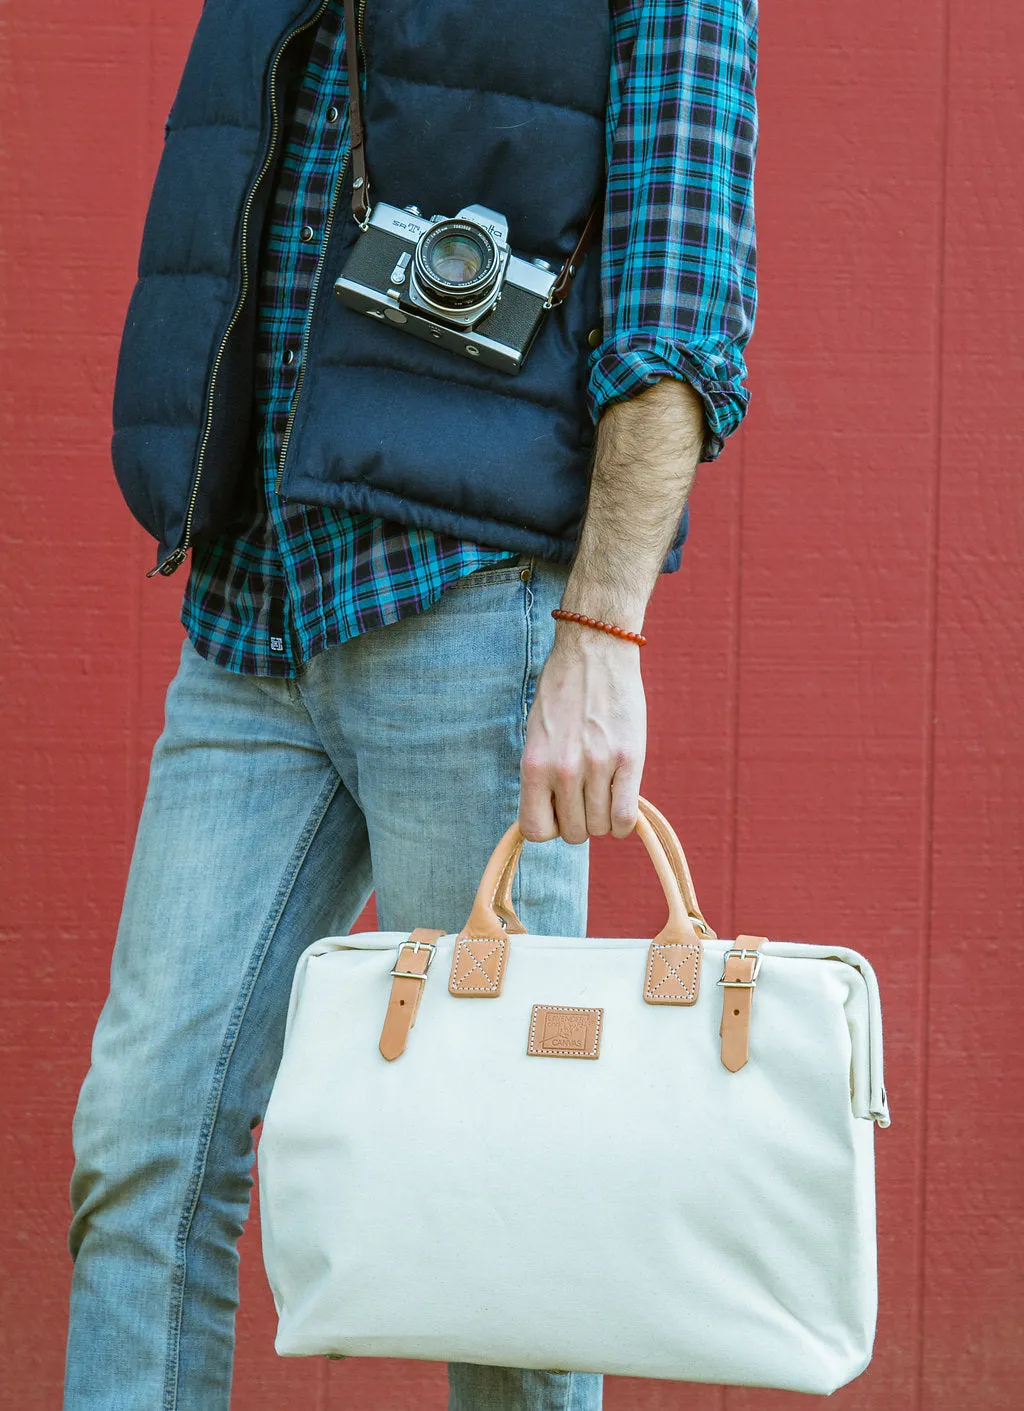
328, 225
177, 558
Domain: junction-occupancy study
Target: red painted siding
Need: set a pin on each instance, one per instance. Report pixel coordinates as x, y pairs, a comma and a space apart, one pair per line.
834, 680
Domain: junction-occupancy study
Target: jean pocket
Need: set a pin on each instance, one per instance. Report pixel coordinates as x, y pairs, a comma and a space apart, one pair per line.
510, 570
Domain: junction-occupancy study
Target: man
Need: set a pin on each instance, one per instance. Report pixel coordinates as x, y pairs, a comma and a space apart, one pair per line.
372, 685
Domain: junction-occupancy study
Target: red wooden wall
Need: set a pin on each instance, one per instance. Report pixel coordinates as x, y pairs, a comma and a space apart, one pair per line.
835, 678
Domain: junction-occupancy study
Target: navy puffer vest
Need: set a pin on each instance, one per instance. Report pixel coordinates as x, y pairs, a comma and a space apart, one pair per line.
465, 102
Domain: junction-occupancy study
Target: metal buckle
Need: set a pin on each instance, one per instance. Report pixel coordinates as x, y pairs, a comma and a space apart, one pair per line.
415, 946
741, 954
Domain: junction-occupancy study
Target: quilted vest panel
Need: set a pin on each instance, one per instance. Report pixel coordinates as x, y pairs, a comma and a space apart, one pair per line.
192, 270
466, 101
504, 106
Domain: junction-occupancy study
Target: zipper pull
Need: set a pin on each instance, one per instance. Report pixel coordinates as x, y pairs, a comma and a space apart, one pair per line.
170, 564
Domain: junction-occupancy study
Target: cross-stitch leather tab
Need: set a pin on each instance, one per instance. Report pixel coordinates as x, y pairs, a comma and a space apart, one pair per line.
673, 974
478, 968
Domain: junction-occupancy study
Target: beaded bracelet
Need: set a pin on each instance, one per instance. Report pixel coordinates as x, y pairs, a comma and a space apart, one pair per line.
562, 615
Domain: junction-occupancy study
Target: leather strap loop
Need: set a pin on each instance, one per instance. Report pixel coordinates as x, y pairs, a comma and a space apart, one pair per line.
674, 852
739, 980
410, 976
503, 899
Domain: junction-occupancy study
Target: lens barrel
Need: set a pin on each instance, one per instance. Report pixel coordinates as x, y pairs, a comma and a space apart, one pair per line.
457, 263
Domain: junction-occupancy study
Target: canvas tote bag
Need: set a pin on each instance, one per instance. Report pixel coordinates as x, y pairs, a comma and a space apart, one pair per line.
646, 1157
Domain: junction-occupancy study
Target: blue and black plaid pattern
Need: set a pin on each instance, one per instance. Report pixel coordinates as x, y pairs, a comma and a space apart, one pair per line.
296, 579
678, 295
678, 272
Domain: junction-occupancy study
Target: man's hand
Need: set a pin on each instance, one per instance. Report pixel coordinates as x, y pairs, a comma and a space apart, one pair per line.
587, 732
585, 741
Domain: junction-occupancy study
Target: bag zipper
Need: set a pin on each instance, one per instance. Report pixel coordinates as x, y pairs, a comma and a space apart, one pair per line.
177, 558
328, 226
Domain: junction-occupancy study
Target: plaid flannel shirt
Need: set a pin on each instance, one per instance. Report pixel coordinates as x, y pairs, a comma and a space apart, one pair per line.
678, 300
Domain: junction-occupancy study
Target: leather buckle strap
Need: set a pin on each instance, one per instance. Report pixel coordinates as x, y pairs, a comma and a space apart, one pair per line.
409, 976
740, 971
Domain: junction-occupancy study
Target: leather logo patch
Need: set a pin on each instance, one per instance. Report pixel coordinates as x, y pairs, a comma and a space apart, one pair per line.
563, 1031
478, 968
673, 974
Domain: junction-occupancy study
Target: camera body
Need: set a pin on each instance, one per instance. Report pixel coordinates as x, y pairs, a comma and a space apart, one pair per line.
453, 281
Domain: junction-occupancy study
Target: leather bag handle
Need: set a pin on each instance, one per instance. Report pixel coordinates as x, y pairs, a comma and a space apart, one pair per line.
361, 177
666, 836
493, 918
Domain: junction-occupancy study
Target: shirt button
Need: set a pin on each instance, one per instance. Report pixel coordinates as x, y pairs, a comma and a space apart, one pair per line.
289, 357
306, 233
333, 113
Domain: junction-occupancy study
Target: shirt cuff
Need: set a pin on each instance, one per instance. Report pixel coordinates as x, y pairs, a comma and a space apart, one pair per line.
623, 367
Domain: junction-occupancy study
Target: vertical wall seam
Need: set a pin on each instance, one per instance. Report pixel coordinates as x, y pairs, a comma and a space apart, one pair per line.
733, 705
931, 705
733, 772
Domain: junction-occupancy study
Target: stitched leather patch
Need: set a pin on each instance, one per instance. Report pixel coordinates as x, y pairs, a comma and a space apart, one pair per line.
673, 974
563, 1031
478, 968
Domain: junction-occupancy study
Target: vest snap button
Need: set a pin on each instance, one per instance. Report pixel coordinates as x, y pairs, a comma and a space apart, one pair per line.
594, 337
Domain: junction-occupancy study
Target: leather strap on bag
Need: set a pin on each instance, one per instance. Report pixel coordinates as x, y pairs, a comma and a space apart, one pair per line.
361, 177
739, 980
674, 852
410, 975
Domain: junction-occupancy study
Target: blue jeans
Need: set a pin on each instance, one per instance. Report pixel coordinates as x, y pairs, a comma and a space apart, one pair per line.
273, 809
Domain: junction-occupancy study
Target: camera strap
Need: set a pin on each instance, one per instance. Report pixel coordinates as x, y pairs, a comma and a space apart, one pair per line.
357, 132
361, 180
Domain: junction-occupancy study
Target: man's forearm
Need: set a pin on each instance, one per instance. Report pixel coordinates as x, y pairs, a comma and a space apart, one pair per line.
645, 460
586, 736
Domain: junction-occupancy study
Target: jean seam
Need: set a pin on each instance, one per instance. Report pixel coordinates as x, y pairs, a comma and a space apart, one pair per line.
569, 1389
528, 600
179, 1275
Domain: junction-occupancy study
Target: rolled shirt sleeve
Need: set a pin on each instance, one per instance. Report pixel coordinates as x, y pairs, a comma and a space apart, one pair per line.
678, 273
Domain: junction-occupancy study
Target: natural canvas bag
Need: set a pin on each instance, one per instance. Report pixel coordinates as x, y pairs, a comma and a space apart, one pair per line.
647, 1157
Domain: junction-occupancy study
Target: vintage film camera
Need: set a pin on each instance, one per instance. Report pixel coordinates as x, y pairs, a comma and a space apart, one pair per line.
453, 281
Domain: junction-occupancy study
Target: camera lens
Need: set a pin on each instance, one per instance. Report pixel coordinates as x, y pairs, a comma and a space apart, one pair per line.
456, 263
457, 259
